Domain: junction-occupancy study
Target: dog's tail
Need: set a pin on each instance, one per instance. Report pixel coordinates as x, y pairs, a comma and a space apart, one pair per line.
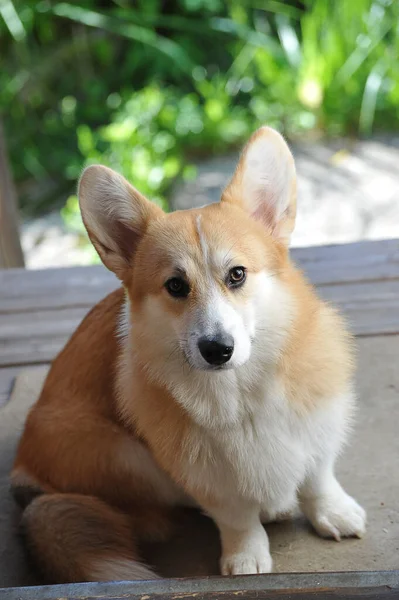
75, 538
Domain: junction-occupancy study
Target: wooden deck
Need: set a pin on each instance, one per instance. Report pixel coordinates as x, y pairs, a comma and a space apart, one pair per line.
40, 309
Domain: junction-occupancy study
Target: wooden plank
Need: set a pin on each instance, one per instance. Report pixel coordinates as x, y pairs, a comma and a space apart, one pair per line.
40, 310
372, 308
10, 247
27, 338
54, 288
378, 585
7, 378
365, 261
84, 286
356, 250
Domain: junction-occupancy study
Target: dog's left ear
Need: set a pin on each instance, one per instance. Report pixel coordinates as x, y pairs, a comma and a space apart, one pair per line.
264, 183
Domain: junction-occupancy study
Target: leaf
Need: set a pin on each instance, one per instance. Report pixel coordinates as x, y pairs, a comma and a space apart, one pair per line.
289, 40
12, 20
131, 31
369, 101
359, 55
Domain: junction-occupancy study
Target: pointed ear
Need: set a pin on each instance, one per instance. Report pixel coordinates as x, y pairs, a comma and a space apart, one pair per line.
115, 215
264, 183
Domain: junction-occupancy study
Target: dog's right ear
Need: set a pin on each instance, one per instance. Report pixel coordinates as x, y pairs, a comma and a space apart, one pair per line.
115, 215
264, 183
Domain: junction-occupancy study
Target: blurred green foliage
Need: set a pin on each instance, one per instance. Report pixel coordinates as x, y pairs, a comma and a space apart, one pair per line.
147, 86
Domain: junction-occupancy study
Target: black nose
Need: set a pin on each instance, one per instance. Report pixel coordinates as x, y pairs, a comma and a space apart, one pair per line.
216, 350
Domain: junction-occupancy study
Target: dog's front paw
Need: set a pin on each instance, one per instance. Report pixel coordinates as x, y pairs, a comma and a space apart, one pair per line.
247, 563
336, 516
247, 554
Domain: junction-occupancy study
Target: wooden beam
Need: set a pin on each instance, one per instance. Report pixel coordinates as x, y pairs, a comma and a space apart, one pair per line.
10, 247
326, 266
377, 585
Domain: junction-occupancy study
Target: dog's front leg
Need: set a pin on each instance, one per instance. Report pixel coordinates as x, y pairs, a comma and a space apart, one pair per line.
332, 512
245, 545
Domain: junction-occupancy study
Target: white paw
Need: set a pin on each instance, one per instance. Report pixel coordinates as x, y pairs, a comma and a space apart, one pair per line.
336, 516
248, 555
246, 563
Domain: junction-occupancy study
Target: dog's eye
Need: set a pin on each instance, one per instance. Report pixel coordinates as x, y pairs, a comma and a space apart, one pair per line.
236, 277
177, 287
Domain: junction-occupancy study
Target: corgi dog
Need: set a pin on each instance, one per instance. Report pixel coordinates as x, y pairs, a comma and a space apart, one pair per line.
214, 377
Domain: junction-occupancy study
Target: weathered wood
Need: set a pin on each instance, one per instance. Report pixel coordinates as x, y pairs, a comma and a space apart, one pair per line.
54, 288
367, 470
7, 379
32, 337
10, 247
378, 585
27, 338
360, 261
40, 309
38, 312
371, 308
83, 286
7, 376
356, 250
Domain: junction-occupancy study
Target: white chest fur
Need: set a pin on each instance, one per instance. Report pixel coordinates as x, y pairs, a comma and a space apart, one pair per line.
249, 442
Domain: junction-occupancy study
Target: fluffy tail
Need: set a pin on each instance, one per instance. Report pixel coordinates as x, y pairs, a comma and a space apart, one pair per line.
77, 538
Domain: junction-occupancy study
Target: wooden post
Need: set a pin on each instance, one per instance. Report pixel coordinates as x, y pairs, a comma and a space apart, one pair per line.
10, 246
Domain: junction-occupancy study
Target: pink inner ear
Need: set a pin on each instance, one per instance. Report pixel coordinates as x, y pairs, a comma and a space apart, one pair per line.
265, 212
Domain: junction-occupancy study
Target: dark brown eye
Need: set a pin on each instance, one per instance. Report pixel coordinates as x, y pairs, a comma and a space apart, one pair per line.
177, 287
237, 276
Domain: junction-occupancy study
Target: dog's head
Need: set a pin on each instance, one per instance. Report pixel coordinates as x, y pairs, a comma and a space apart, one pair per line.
204, 285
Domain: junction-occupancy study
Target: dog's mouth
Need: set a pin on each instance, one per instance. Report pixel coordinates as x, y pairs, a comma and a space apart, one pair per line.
216, 368
199, 364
